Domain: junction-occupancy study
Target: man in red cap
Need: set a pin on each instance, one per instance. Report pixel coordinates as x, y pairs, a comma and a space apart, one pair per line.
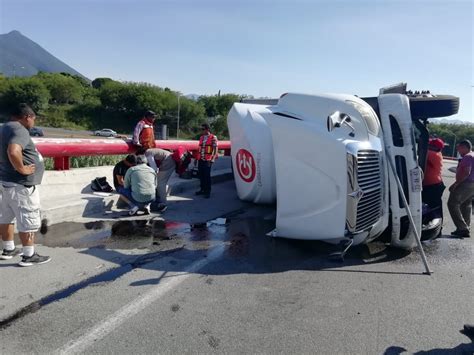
433, 185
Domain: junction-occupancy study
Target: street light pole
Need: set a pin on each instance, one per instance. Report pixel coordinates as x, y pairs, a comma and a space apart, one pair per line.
454, 144
177, 128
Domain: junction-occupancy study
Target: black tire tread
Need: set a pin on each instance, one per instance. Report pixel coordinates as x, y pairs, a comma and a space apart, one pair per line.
432, 107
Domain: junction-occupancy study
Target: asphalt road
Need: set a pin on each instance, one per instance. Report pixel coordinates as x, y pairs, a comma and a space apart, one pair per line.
50, 132
225, 287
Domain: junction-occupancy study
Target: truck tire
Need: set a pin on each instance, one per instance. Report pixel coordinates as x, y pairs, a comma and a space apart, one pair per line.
433, 232
431, 107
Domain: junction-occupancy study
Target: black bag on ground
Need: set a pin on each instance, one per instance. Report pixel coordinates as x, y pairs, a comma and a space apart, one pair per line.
100, 184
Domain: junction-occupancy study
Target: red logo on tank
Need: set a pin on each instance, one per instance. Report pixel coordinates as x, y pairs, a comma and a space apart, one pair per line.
245, 165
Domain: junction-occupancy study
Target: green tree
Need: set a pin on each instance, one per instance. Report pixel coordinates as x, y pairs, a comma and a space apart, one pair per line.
63, 89
99, 82
80, 79
29, 90
217, 107
451, 134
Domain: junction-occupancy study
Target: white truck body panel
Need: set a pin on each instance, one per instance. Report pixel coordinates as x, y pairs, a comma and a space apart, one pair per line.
252, 153
396, 108
311, 189
323, 159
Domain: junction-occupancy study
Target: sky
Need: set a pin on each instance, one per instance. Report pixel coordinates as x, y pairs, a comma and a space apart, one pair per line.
257, 47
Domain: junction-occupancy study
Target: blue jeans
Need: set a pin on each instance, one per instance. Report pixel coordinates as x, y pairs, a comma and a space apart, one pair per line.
205, 175
127, 193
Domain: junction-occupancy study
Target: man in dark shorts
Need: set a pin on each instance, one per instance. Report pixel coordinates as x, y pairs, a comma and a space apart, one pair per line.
21, 170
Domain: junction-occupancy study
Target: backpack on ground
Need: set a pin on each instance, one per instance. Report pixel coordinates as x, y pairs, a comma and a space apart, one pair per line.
100, 184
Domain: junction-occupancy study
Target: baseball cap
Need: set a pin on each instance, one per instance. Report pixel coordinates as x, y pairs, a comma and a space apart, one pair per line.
436, 142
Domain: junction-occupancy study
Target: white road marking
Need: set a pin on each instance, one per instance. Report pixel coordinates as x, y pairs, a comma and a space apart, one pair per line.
102, 329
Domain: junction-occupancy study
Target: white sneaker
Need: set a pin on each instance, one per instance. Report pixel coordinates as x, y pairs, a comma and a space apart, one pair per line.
133, 211
146, 209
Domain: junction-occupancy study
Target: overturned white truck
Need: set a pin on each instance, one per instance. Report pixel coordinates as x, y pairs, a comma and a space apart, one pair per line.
324, 160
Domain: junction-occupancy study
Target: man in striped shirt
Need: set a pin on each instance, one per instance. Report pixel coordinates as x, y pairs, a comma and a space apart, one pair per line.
206, 157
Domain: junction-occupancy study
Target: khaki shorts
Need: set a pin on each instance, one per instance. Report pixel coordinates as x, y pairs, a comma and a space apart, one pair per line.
20, 203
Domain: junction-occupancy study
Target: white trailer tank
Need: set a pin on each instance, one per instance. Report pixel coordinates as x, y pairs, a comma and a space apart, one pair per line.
252, 153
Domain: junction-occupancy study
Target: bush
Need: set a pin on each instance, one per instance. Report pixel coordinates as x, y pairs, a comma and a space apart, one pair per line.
29, 90
87, 161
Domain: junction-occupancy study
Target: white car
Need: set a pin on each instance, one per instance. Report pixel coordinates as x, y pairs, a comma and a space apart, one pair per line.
105, 132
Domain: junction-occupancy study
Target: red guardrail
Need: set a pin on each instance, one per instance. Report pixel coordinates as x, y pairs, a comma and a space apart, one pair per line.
61, 149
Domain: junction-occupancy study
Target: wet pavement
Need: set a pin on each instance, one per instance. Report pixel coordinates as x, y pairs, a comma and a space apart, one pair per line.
240, 291
242, 238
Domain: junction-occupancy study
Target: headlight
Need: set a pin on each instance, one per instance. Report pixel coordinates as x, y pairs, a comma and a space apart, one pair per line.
369, 117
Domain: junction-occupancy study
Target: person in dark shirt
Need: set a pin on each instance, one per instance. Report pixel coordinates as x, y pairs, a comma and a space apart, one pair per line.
119, 172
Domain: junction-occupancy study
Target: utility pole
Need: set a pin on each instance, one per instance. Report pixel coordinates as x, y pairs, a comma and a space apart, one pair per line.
454, 144
177, 128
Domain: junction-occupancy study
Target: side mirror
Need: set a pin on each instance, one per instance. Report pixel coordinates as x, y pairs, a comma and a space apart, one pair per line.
333, 121
337, 119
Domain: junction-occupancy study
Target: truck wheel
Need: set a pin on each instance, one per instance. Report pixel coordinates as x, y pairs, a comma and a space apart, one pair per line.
432, 230
431, 107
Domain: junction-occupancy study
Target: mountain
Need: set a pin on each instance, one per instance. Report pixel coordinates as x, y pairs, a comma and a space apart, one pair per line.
20, 56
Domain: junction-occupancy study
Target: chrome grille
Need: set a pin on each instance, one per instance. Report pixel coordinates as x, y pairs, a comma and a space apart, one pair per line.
369, 180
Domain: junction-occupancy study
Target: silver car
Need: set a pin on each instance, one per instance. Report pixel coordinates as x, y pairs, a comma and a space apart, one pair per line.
105, 132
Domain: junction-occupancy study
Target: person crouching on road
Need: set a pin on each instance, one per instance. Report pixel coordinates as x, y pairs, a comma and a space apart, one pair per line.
21, 170
462, 191
206, 156
162, 161
140, 186
120, 169
144, 134
433, 185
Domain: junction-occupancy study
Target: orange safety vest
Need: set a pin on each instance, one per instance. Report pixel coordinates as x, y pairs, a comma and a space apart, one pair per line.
207, 149
147, 136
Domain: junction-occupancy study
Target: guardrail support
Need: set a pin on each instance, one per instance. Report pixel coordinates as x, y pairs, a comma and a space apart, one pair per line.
61, 163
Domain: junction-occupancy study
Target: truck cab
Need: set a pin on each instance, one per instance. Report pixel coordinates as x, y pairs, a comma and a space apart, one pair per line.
324, 160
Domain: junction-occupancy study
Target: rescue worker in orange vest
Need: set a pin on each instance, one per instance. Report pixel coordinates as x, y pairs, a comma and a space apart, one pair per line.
206, 156
433, 185
144, 134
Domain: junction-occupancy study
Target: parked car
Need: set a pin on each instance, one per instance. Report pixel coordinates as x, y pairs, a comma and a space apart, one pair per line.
36, 132
105, 132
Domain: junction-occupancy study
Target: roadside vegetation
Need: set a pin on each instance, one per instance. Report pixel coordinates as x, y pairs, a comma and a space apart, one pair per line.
87, 161
71, 102
452, 134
